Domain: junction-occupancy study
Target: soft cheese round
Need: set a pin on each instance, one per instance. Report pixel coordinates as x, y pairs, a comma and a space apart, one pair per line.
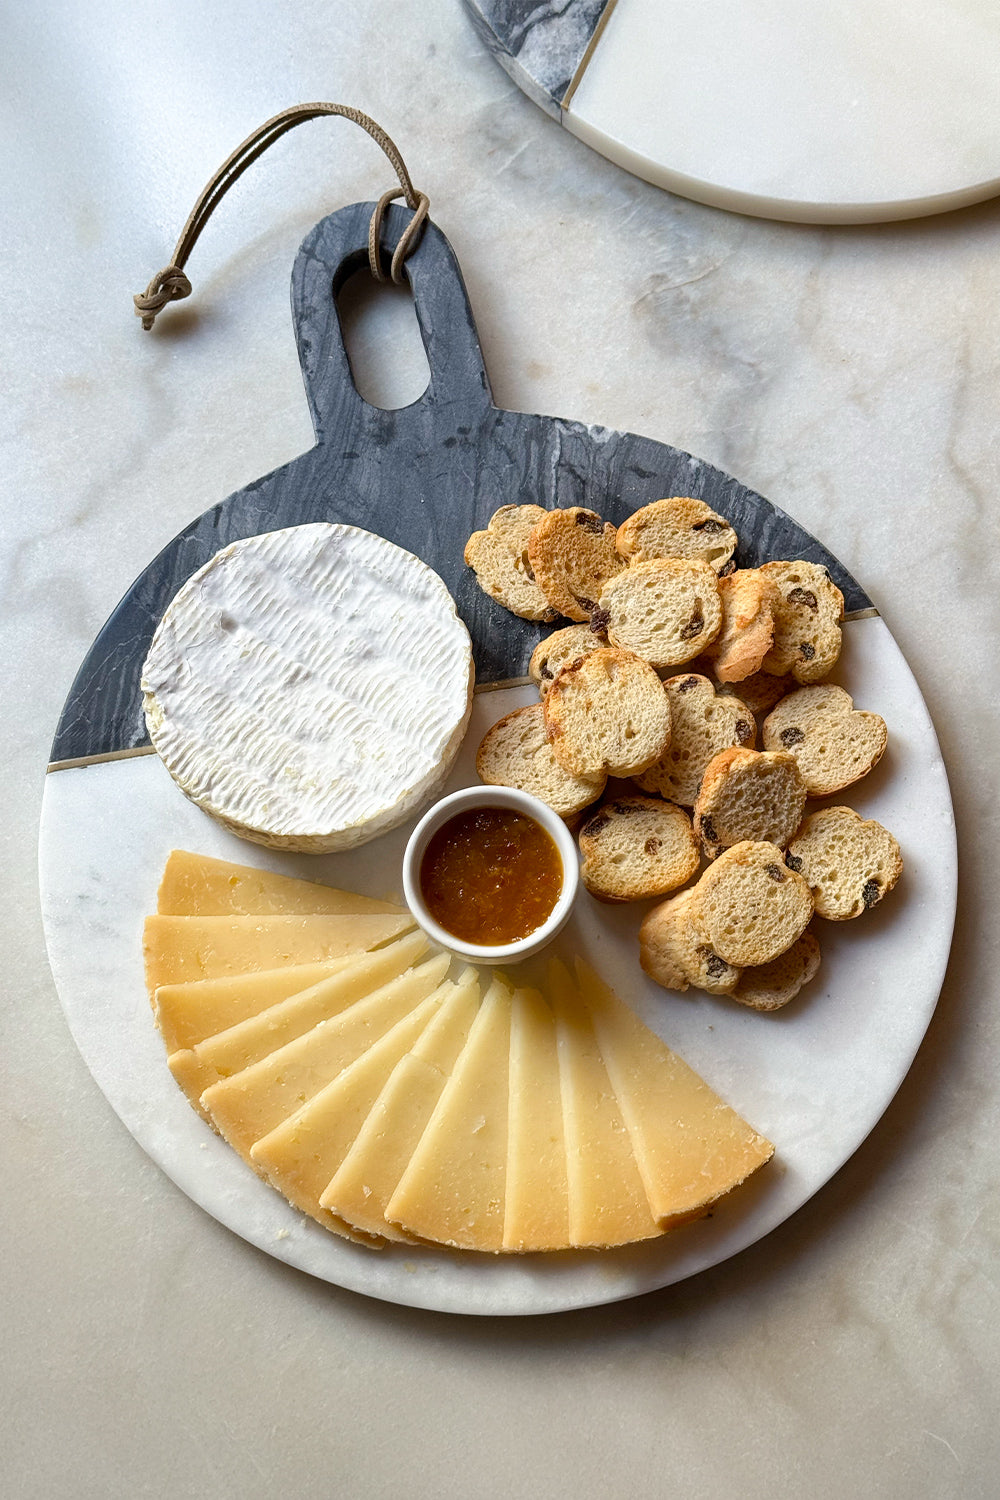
310, 687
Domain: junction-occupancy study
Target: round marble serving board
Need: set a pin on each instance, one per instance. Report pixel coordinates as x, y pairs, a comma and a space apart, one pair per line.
787, 109
815, 1079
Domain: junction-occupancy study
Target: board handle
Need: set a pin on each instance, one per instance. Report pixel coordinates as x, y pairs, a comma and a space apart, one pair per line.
330, 254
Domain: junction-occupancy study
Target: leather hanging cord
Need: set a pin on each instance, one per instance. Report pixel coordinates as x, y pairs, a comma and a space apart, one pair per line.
171, 284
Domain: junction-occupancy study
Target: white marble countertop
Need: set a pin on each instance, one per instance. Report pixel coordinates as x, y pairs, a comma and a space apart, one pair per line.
848, 374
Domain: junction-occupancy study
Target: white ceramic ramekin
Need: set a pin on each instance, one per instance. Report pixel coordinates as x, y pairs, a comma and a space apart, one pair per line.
492, 796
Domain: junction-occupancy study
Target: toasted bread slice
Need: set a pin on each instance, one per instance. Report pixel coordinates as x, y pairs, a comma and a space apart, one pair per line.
848, 862
514, 524
834, 744
572, 555
516, 752
561, 649
749, 794
607, 715
635, 848
770, 986
807, 614
677, 527
674, 949
751, 906
760, 691
702, 723
499, 558
747, 633
666, 610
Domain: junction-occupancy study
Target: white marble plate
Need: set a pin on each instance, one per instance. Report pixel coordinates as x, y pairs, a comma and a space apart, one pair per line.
788, 109
815, 1078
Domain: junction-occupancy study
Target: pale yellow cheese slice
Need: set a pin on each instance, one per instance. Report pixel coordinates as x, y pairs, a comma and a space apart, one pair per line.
690, 1146
198, 885
607, 1200
231, 1051
452, 1190
367, 1177
536, 1216
247, 1106
301, 1155
177, 949
188, 1013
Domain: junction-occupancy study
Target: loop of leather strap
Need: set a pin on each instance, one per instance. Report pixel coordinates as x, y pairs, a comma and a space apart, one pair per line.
171, 284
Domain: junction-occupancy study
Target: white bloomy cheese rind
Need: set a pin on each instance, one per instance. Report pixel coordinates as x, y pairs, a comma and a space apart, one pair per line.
310, 688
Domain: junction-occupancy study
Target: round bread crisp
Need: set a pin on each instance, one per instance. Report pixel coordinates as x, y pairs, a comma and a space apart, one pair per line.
572, 555
760, 691
753, 795
675, 952
834, 744
309, 688
635, 848
607, 714
807, 612
848, 862
499, 558
514, 523
516, 752
666, 610
561, 649
751, 906
703, 722
677, 527
770, 986
747, 633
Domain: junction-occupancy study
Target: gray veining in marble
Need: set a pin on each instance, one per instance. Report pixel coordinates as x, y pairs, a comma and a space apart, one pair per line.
541, 45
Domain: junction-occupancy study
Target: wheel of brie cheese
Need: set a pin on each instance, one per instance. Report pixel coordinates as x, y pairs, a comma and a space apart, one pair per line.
310, 688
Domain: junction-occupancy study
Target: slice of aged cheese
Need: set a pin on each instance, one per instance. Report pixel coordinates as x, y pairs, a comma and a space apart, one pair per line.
607, 1200
188, 1013
536, 1213
367, 1177
231, 1051
690, 1146
177, 949
310, 687
247, 1106
299, 1156
195, 885
452, 1190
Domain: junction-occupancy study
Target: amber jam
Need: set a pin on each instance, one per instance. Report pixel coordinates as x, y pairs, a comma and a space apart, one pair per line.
491, 876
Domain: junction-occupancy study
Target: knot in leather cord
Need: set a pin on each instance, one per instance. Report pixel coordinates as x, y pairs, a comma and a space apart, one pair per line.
168, 285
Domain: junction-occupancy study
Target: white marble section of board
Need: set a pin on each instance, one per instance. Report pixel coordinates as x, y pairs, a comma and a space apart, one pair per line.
796, 109
815, 1078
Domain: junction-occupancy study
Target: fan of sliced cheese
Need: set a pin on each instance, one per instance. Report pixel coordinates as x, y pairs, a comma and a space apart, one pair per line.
395, 1099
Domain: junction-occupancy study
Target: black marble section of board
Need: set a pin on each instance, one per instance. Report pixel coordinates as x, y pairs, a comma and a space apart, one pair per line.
540, 45
424, 476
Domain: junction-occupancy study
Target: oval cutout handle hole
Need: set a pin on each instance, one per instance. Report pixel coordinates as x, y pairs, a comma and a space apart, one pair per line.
383, 343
